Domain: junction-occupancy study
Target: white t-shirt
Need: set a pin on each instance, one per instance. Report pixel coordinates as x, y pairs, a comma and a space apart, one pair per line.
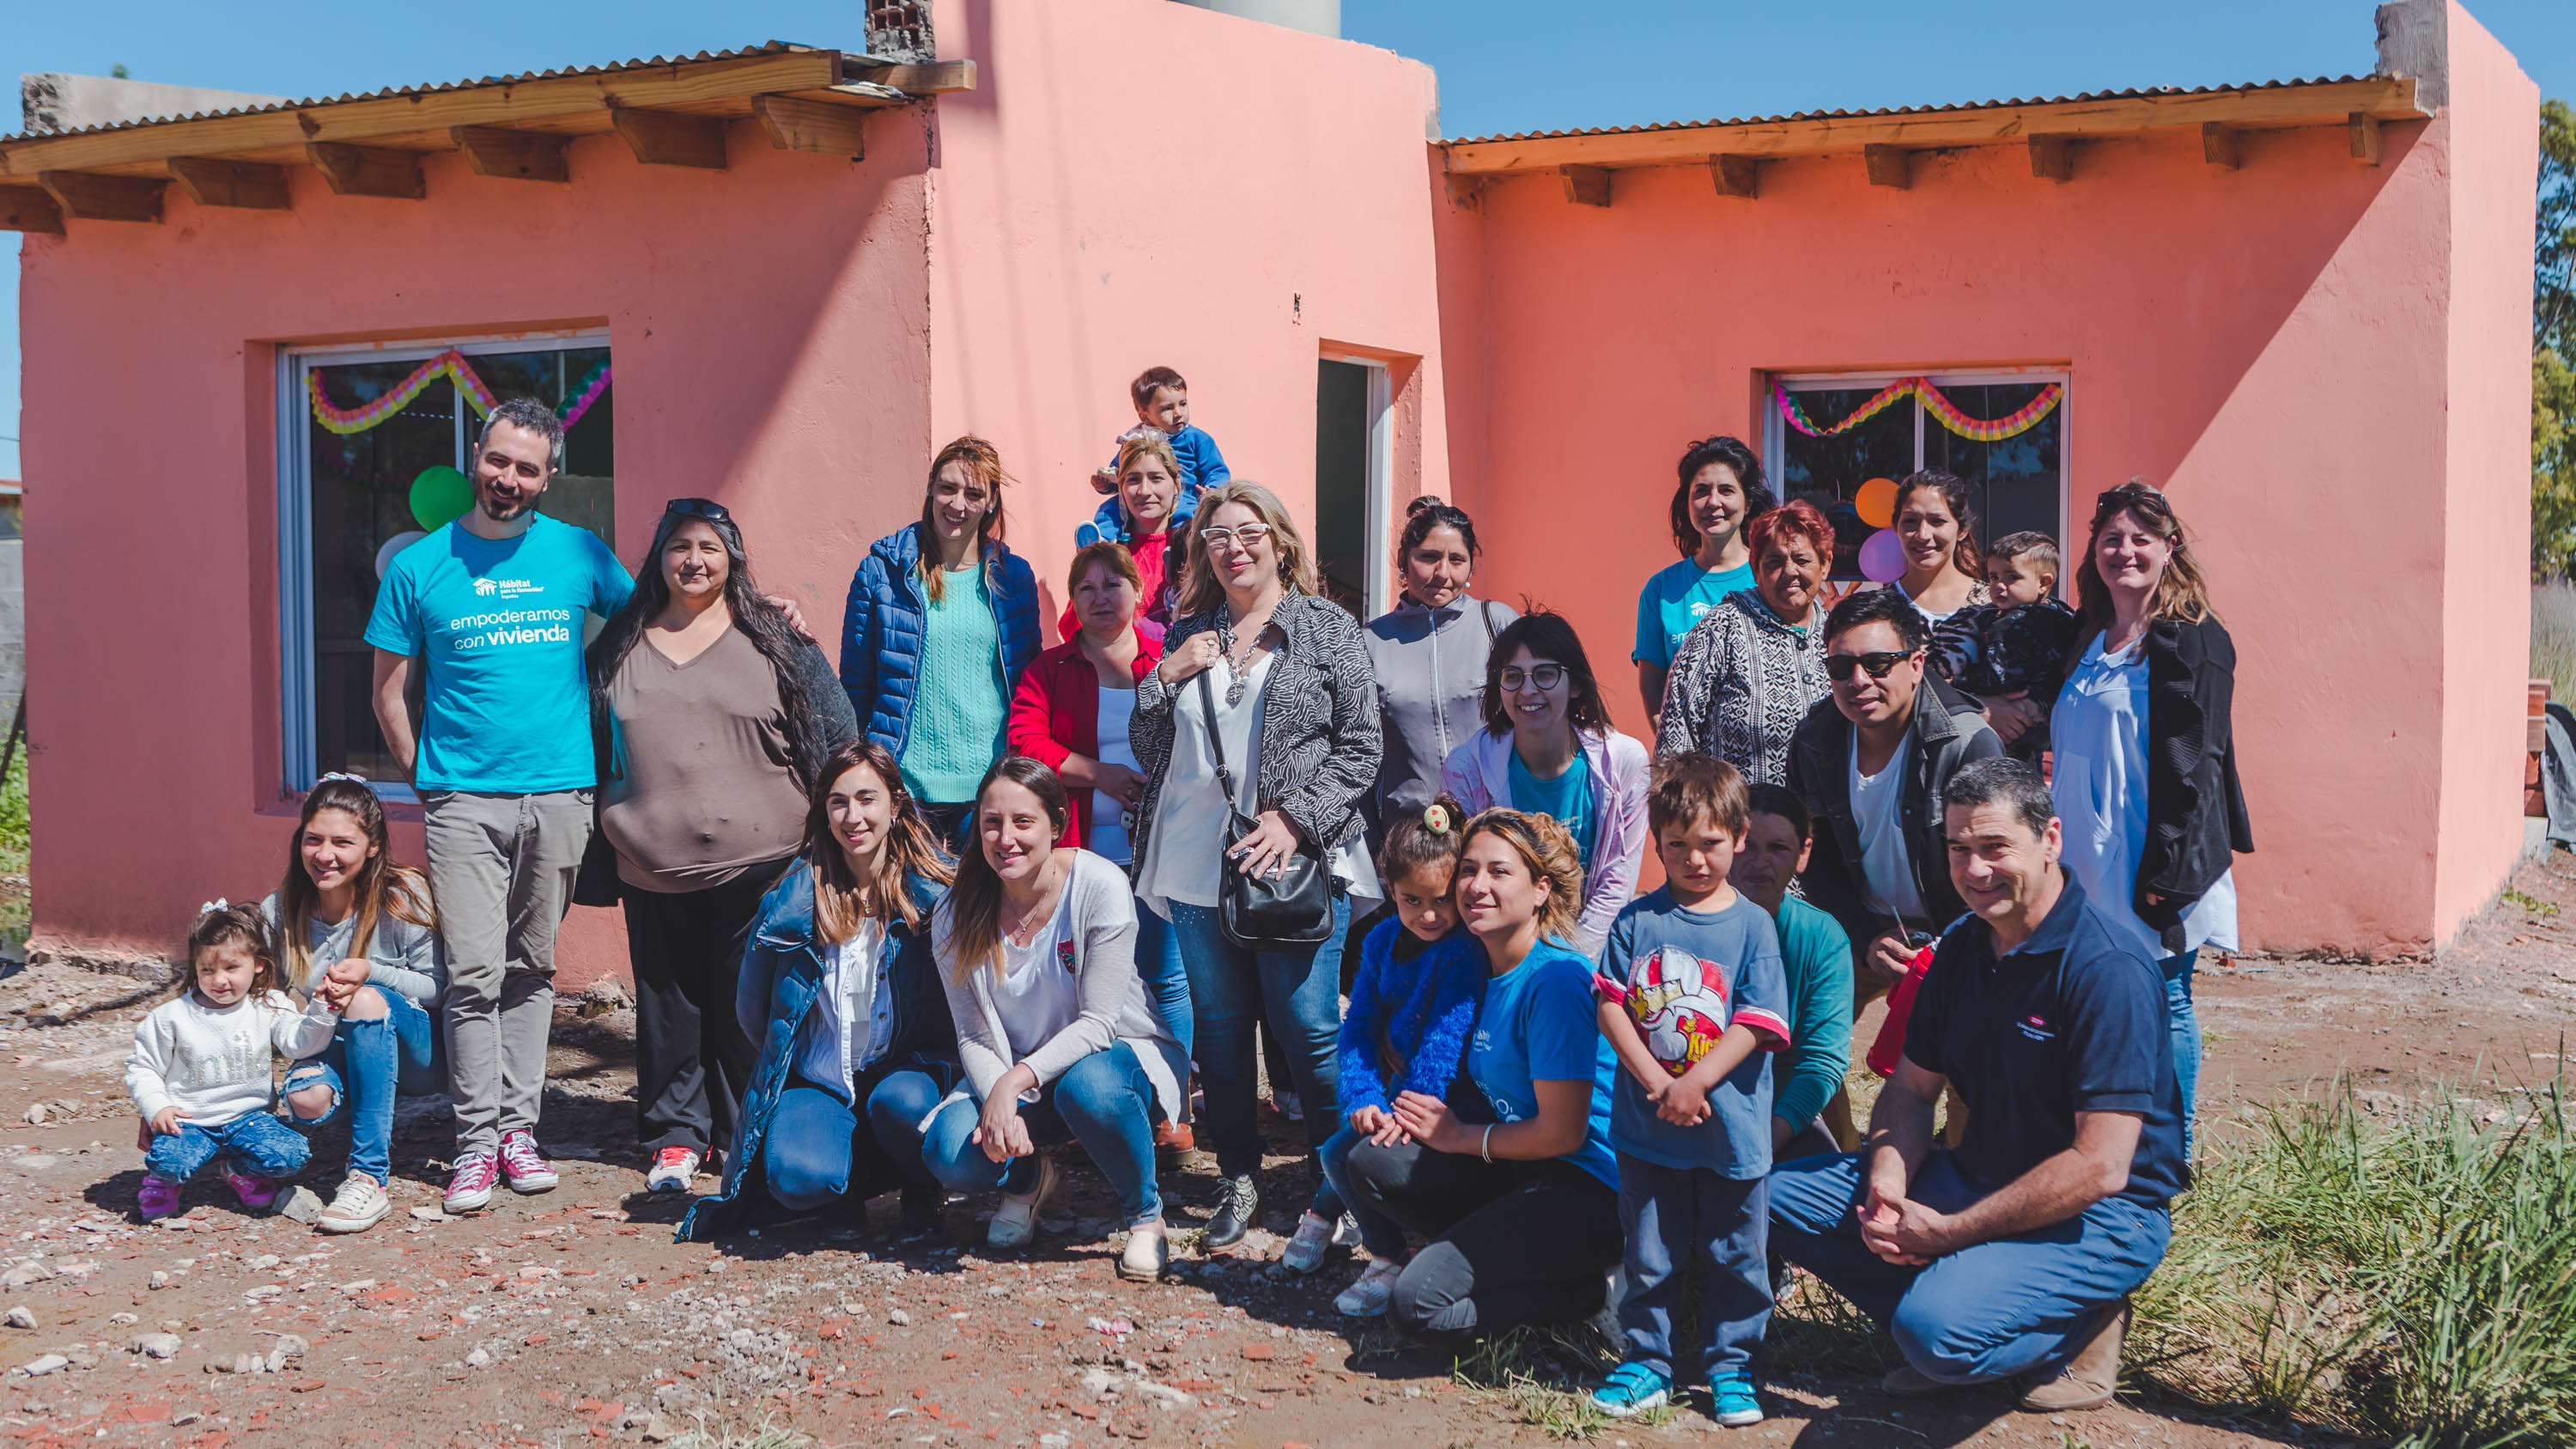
835, 1048
1038, 995
1886, 862
1108, 838
2098, 733
1184, 852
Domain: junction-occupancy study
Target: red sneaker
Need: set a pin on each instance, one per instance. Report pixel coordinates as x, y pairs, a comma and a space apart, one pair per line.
524, 1166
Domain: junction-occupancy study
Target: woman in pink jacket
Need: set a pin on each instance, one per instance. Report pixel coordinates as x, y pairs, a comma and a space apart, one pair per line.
1548, 748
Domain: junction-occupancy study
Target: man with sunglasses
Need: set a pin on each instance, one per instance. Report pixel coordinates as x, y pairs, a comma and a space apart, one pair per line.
1871, 760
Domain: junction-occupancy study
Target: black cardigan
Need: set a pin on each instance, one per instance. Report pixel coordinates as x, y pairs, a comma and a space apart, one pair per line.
2196, 820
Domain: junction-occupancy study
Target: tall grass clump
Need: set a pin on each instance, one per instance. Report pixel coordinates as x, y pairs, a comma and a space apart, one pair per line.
2413, 1277
2553, 637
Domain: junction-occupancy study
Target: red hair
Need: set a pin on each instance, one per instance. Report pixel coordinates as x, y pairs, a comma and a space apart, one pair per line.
1796, 516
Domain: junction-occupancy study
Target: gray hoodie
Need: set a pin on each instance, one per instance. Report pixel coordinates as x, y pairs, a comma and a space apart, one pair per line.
1430, 666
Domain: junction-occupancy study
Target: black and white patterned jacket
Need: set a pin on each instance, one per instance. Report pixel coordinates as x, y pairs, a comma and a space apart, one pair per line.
1319, 742
1740, 684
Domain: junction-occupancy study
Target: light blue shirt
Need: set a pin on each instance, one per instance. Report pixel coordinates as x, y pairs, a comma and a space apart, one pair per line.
1567, 799
497, 626
1684, 977
1538, 1025
1675, 599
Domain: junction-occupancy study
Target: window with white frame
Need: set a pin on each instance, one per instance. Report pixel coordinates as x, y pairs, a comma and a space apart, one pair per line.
2003, 431
374, 442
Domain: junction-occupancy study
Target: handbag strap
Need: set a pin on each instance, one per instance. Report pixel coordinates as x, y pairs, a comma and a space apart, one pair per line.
1216, 740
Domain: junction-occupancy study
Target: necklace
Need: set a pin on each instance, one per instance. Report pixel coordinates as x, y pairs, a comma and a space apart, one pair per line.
1237, 658
1039, 914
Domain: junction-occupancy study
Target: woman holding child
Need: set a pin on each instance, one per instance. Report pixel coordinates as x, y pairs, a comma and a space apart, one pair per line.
838, 989
1149, 492
1548, 748
1944, 563
1749, 672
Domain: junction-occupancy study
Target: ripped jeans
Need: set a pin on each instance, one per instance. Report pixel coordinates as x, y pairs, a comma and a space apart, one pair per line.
366, 1066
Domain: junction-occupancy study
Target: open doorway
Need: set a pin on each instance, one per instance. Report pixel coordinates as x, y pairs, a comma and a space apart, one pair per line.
1354, 455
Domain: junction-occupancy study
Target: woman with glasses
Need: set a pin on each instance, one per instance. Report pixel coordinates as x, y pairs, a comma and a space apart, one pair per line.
2144, 739
1547, 748
713, 716
941, 621
1750, 671
1265, 679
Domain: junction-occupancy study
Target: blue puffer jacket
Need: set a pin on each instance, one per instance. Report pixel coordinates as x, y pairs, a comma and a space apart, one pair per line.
782, 974
882, 629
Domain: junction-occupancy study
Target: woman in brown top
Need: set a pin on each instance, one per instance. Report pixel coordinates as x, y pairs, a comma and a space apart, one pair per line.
715, 714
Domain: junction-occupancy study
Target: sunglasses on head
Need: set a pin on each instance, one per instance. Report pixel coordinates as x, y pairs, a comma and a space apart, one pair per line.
706, 508
1839, 667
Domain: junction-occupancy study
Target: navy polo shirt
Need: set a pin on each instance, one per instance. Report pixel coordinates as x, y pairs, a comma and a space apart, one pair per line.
2072, 1021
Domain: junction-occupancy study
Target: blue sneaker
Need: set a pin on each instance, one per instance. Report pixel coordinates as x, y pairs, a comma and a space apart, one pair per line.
1632, 1389
1735, 1406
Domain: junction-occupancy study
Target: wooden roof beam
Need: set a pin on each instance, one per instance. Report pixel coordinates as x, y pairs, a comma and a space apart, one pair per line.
1735, 176
369, 170
212, 181
2364, 128
2052, 158
1586, 185
87, 197
30, 209
936, 78
518, 155
668, 138
2218, 145
820, 127
1889, 166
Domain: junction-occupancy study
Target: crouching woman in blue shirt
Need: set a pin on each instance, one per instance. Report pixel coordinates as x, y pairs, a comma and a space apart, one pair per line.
1523, 1158
839, 988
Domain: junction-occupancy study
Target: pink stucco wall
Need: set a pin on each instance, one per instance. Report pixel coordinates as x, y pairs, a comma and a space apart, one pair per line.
767, 325
2283, 346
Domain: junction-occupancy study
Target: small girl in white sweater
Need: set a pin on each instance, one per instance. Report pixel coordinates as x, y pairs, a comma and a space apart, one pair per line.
202, 1071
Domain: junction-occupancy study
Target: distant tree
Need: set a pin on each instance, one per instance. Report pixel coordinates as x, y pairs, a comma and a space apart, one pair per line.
2553, 344
118, 71
2553, 467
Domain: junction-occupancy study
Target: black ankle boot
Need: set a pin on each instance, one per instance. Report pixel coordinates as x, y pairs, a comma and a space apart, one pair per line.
1236, 1204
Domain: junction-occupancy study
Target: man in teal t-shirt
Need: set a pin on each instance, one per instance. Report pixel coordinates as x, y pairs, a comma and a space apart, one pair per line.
492, 607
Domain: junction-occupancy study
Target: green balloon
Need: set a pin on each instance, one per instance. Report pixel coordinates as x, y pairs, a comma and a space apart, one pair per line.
440, 496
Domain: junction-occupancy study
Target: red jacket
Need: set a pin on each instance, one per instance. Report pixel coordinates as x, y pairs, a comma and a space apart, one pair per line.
1151, 613
1057, 713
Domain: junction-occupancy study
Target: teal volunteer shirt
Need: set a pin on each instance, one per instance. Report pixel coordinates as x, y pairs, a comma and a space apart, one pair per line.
1677, 598
497, 626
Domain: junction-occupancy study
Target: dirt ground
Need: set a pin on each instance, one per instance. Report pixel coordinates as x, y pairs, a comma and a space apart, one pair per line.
571, 1316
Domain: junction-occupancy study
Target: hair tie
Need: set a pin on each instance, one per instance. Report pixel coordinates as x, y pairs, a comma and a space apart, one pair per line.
217, 904
1435, 819
342, 775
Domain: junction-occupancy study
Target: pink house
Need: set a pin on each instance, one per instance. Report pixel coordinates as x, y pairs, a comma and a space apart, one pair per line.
782, 277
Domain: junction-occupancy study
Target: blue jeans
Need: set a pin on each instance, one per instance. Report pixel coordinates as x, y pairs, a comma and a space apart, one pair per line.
817, 1151
1167, 985
366, 1066
2008, 1306
1229, 989
1669, 1216
1105, 1102
261, 1142
1380, 1234
2184, 1023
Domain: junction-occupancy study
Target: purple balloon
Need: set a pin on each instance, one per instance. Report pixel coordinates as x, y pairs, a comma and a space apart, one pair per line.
1882, 557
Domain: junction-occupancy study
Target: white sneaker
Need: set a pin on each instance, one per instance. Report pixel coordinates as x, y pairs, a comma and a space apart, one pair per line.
1148, 1252
1305, 1252
1368, 1297
674, 1168
1017, 1222
360, 1204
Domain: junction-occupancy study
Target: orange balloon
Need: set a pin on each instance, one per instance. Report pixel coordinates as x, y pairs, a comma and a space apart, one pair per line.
1876, 502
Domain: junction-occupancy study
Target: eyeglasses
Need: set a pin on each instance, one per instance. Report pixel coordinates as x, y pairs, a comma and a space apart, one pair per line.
1249, 535
1839, 667
1545, 676
706, 508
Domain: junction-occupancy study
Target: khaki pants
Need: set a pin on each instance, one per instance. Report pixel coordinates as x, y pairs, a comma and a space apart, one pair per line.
502, 867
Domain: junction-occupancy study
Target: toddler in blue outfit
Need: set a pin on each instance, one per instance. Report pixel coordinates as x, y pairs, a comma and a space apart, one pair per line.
1692, 998
1162, 406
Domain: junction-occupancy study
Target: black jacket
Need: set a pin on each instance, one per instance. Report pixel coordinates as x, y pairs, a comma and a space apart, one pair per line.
2196, 821
1947, 733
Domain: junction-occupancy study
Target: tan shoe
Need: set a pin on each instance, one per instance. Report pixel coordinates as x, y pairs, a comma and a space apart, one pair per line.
2090, 1380
1909, 1382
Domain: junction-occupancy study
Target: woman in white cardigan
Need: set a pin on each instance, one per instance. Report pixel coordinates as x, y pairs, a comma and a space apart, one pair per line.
1037, 946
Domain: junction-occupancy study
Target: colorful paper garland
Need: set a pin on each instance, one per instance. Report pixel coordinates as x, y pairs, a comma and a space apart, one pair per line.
452, 364
1943, 410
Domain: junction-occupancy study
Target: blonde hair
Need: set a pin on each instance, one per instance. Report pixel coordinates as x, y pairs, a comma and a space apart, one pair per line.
2180, 593
984, 462
1152, 444
1200, 591
1548, 849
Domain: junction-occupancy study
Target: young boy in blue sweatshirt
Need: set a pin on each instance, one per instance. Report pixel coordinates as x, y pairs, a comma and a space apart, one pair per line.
1163, 405
1693, 998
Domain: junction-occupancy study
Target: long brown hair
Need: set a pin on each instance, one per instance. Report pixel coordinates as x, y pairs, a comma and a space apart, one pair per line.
383, 888
1549, 850
984, 461
843, 902
1201, 593
974, 905
2180, 593
1965, 552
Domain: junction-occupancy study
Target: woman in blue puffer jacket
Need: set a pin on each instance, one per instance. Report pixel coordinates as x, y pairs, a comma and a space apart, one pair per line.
839, 988
942, 618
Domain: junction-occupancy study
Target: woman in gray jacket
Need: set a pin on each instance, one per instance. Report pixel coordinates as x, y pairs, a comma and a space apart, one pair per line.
1428, 653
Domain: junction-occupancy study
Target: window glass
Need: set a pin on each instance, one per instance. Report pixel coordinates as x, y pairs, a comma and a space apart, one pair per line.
2015, 482
1828, 471
358, 493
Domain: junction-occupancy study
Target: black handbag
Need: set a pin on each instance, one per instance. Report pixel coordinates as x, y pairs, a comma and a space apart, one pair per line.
1284, 912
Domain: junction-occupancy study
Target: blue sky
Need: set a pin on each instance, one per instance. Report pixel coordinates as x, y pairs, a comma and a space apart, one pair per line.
1505, 65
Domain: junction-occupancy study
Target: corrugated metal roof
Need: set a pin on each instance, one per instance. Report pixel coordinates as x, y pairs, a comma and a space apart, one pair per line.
2131, 94
774, 47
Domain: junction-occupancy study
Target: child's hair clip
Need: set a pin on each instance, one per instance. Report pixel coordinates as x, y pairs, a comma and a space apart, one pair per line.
217, 904
1435, 818
342, 775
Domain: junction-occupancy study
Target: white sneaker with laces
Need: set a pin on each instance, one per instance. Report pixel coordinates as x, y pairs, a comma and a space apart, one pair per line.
674, 1168
1017, 1221
360, 1204
1368, 1297
1148, 1252
1305, 1252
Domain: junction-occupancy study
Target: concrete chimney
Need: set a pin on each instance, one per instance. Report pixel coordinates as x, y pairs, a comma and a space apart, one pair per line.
1316, 17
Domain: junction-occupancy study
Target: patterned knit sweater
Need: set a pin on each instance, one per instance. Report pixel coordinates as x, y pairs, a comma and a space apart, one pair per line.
1740, 683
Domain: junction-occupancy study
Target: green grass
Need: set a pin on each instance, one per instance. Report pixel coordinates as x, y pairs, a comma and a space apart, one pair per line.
13, 816
2553, 637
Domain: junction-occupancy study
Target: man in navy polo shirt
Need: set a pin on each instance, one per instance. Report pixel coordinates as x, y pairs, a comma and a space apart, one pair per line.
2013, 1254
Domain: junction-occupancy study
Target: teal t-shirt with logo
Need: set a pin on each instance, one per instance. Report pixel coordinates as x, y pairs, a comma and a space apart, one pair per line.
1567, 799
1677, 598
497, 626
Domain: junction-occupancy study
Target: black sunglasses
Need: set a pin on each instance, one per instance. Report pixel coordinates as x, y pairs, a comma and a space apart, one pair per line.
706, 508
1839, 667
